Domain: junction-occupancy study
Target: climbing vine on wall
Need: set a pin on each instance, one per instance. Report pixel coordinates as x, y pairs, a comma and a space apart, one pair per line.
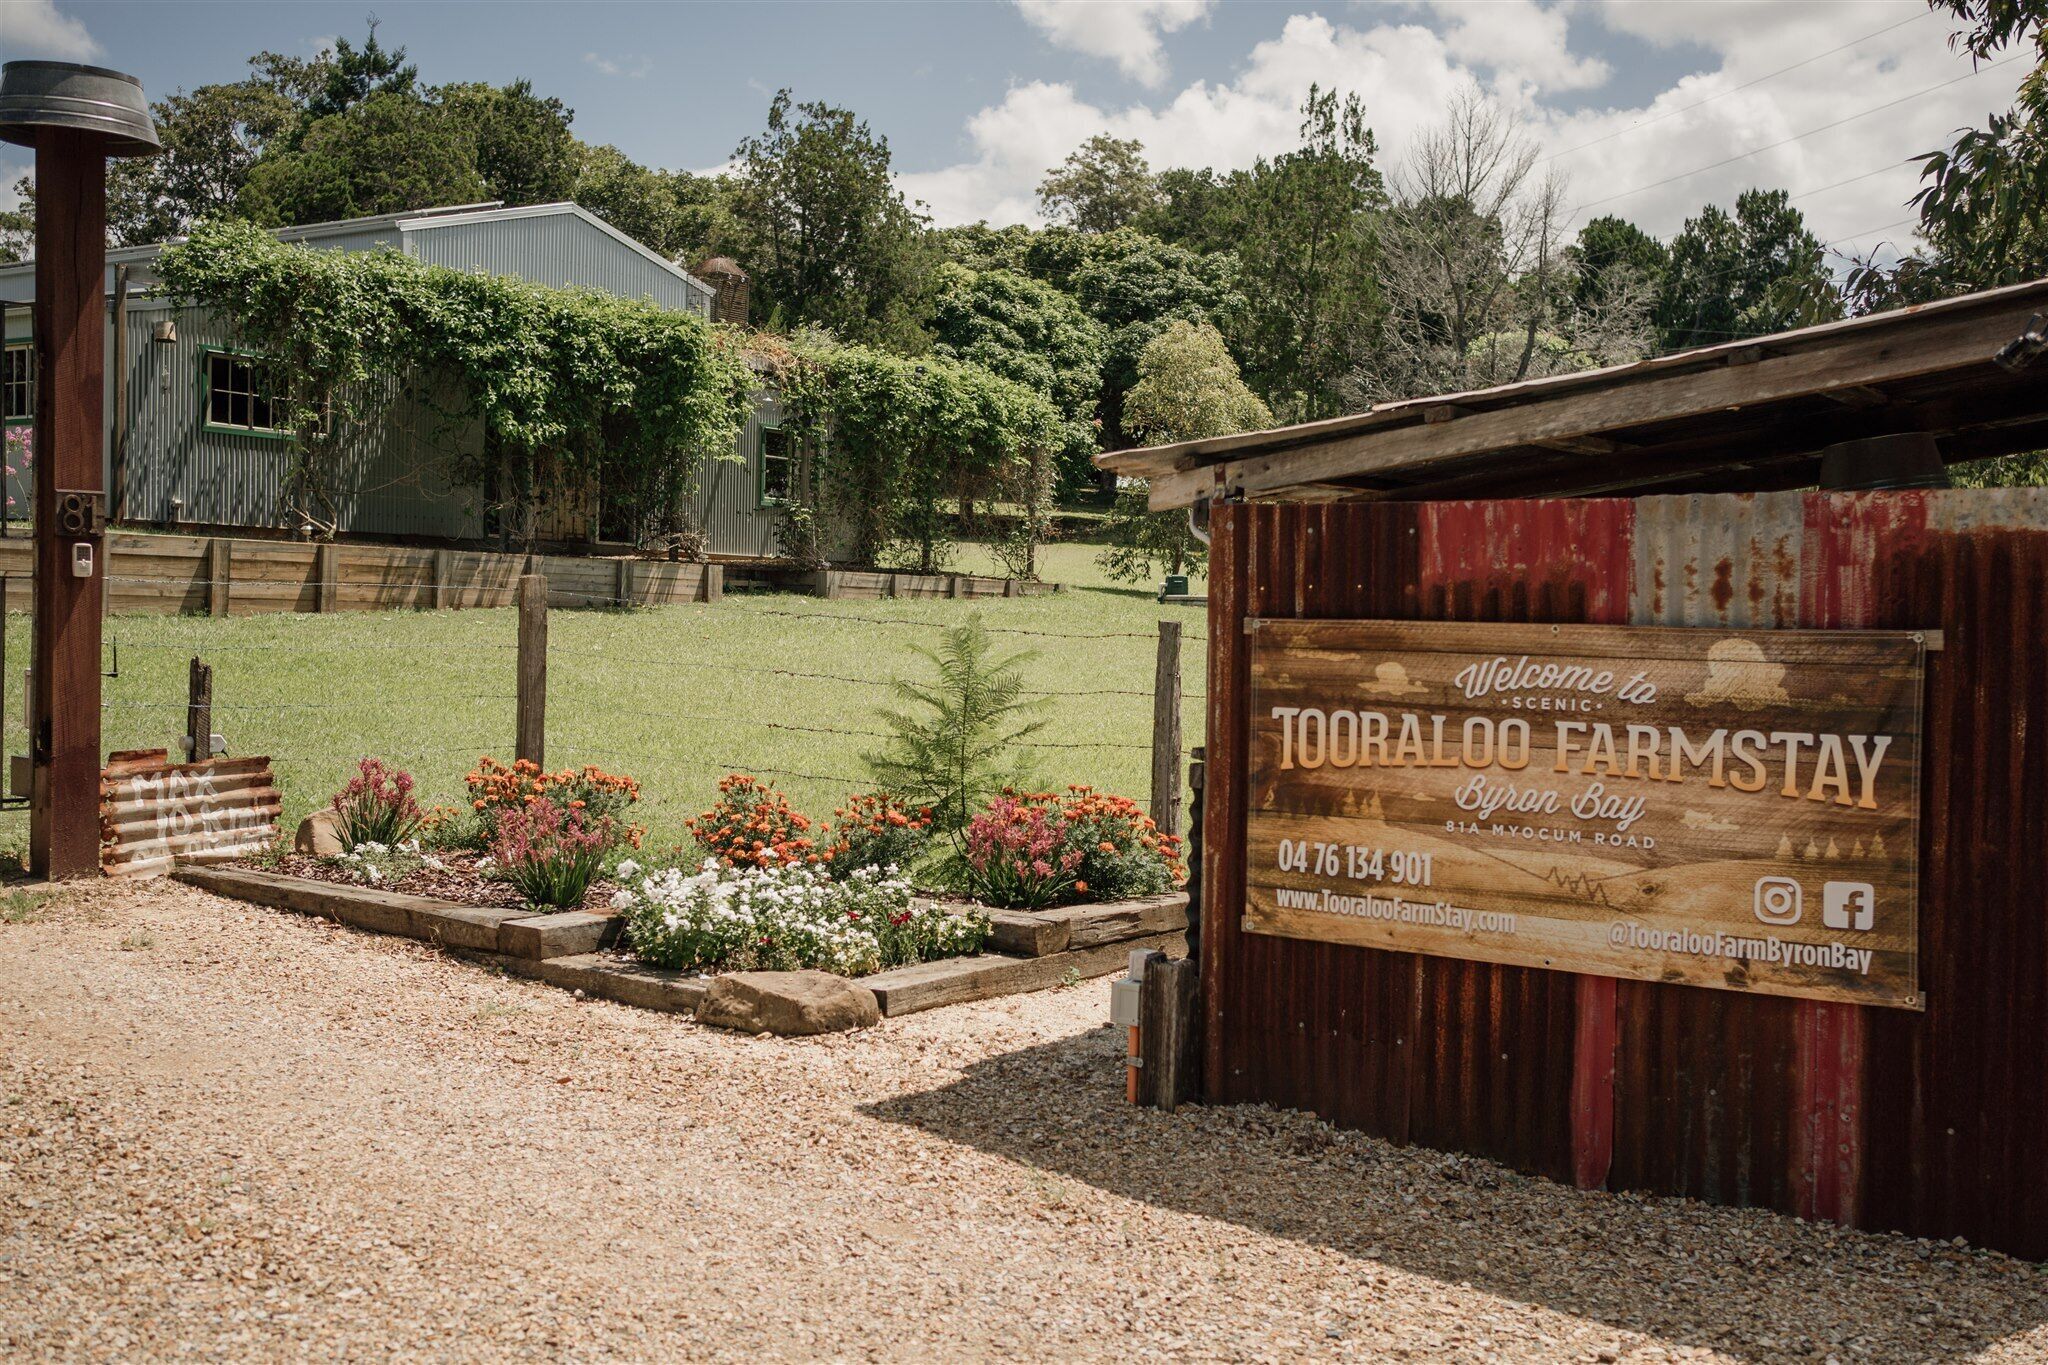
900, 444
574, 389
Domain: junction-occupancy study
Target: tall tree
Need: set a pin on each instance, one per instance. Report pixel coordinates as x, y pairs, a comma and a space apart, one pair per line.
1984, 203
1754, 272
637, 201
1197, 208
1134, 285
525, 153
833, 240
1472, 257
212, 138
1024, 329
1308, 241
1102, 185
388, 153
1610, 254
1188, 388
338, 81
18, 224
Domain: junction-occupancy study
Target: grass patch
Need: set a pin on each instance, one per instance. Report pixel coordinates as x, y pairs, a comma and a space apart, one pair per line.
20, 907
675, 696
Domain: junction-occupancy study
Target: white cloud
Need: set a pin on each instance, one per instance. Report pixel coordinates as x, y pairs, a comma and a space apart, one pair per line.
1406, 73
35, 28
1520, 40
630, 70
1127, 32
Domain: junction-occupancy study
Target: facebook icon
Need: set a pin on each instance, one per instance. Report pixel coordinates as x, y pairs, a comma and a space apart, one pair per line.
1848, 905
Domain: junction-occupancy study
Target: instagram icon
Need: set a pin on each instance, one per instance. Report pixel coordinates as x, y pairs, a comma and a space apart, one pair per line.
1778, 900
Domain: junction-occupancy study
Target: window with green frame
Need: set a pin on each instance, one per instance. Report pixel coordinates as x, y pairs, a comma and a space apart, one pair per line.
235, 396
18, 382
778, 466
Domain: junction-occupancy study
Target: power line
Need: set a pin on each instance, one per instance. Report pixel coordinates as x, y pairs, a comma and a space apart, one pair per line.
1735, 89
1797, 137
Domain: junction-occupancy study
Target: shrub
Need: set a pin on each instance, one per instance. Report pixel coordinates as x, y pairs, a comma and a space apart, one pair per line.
377, 806
550, 857
495, 788
1123, 854
787, 917
874, 830
1016, 855
753, 824
1033, 850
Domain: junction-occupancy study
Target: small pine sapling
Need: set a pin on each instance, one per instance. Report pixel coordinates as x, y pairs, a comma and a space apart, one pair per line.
958, 741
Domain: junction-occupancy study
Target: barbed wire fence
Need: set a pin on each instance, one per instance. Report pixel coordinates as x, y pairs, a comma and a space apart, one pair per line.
620, 690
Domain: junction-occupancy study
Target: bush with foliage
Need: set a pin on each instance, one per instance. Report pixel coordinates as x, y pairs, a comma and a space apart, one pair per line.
789, 916
873, 830
753, 824
1028, 851
960, 741
495, 788
377, 806
551, 856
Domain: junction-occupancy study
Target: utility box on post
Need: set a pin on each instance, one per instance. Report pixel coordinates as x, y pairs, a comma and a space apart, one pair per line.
75, 117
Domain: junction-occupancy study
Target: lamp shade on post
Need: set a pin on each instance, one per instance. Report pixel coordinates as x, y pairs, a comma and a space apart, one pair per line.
75, 117
106, 105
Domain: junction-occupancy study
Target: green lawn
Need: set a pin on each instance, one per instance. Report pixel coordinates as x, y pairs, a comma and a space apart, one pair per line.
674, 696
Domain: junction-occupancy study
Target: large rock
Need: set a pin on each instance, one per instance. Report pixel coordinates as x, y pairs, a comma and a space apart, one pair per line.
319, 834
788, 1003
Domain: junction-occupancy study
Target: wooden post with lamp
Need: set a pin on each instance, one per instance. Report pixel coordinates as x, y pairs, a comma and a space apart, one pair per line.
75, 117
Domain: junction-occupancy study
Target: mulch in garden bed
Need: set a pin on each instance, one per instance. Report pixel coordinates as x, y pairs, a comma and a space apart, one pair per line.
457, 880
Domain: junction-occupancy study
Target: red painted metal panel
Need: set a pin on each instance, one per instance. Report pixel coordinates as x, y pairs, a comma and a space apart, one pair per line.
1502, 1074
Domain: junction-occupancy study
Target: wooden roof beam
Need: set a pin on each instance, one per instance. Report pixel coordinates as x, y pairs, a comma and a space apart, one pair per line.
1948, 341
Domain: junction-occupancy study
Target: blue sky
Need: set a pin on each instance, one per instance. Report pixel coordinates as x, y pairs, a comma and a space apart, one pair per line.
977, 98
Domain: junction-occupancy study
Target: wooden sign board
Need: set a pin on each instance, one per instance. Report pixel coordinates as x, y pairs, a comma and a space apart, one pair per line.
154, 813
1737, 809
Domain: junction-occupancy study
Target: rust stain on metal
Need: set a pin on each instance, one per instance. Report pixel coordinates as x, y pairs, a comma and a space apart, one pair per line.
155, 813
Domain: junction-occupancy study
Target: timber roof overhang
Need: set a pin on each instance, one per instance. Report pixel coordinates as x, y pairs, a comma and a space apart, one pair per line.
1748, 416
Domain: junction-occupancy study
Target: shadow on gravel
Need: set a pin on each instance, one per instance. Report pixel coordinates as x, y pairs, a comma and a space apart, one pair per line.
1753, 1284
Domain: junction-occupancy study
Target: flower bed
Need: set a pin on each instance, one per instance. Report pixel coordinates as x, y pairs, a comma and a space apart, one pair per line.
766, 887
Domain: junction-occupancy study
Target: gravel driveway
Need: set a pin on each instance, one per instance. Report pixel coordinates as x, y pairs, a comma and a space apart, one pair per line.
233, 1132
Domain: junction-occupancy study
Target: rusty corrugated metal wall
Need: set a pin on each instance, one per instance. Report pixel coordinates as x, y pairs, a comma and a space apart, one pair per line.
1928, 1123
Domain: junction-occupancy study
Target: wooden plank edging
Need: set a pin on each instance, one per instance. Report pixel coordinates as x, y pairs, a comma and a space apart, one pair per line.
564, 949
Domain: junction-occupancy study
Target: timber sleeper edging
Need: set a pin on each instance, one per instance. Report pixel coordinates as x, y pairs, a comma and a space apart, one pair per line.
571, 949
1037, 933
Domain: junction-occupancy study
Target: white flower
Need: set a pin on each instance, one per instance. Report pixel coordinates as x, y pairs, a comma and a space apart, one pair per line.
622, 900
628, 868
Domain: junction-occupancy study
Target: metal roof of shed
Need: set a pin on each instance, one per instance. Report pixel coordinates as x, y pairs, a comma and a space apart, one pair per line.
400, 230
1748, 415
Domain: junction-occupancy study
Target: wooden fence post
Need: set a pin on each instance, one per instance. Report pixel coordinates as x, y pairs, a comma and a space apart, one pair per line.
533, 668
1168, 1037
326, 575
714, 582
220, 555
199, 713
622, 582
443, 564
1166, 731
